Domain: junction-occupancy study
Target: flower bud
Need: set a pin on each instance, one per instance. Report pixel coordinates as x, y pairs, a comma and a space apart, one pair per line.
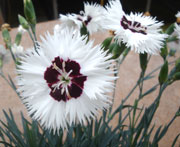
6, 36
18, 38
163, 75
164, 52
23, 22
143, 61
29, 12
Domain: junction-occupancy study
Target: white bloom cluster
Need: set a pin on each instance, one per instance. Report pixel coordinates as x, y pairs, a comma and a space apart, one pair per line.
70, 76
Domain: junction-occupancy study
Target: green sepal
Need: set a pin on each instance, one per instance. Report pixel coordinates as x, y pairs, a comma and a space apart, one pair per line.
163, 75
170, 29
143, 61
84, 31
164, 52
117, 50
29, 12
18, 38
23, 22
106, 43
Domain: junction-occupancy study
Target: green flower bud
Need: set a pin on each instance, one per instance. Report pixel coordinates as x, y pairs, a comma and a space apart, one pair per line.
6, 37
23, 22
29, 12
170, 29
143, 61
18, 38
164, 52
163, 75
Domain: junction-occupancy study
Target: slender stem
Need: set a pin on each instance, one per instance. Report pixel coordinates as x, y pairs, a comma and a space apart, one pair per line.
156, 69
114, 91
12, 54
34, 41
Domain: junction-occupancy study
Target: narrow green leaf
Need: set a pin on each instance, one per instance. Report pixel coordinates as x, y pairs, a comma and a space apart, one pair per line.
175, 140
6, 143
149, 91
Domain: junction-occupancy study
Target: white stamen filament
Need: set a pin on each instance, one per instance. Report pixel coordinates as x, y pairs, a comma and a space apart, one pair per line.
67, 75
64, 79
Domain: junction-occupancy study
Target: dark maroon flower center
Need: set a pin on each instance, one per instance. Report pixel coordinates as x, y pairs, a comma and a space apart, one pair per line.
85, 19
64, 79
133, 26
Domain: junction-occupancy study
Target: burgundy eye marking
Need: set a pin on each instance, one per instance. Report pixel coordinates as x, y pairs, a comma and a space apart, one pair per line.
133, 26
64, 79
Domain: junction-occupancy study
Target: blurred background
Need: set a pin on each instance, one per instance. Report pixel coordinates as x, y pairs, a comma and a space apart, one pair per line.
50, 9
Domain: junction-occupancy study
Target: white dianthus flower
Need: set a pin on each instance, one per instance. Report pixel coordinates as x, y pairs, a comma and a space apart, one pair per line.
93, 17
140, 33
66, 82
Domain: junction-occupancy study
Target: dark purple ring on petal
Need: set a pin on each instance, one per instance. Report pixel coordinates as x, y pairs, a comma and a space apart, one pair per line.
133, 26
64, 79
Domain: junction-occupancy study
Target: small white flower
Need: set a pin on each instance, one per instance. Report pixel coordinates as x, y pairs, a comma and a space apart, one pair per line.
93, 17
71, 21
66, 82
21, 29
140, 33
17, 50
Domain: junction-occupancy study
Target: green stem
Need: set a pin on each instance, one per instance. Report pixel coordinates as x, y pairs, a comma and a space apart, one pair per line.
34, 41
